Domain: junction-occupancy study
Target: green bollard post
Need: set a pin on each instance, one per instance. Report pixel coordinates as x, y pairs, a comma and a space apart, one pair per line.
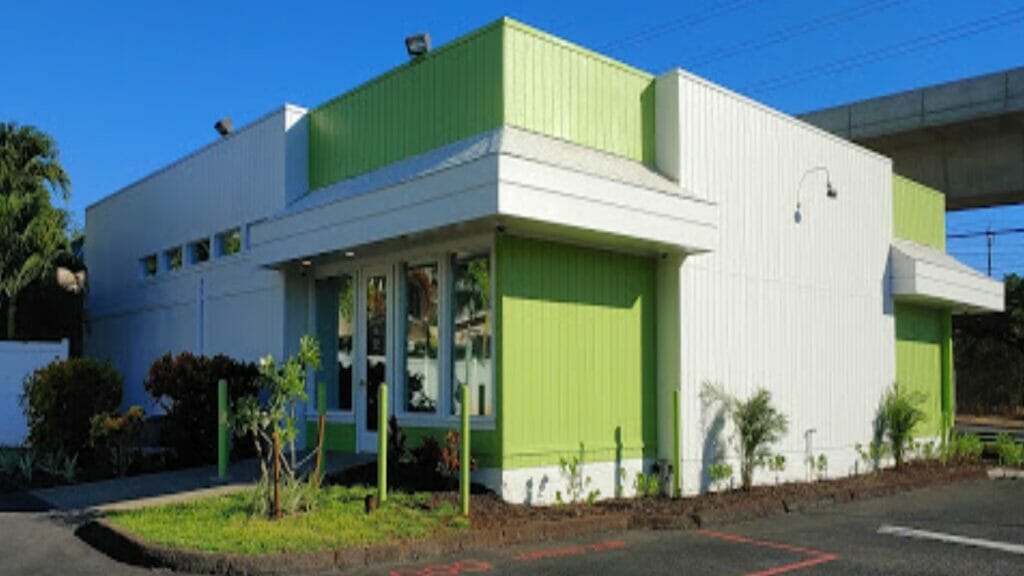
465, 459
321, 408
223, 446
677, 464
382, 443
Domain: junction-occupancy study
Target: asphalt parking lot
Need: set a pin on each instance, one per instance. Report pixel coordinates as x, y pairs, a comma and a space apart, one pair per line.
974, 529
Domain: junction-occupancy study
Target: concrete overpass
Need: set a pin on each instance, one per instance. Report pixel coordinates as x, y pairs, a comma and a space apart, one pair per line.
965, 138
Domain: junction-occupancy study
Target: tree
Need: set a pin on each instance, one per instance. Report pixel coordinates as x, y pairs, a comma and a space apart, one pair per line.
757, 425
901, 413
988, 351
32, 231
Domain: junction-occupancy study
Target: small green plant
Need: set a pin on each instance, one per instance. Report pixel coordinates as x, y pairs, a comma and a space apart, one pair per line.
576, 483
777, 464
1010, 453
821, 466
901, 412
872, 455
962, 448
720, 476
758, 425
646, 485
927, 450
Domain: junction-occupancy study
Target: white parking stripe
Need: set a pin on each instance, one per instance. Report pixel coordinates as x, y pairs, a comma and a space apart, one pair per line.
950, 538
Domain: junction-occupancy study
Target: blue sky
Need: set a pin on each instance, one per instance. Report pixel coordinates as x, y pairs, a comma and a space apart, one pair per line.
127, 87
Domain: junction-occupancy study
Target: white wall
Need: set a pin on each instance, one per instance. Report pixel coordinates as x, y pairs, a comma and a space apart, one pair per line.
228, 305
17, 361
800, 308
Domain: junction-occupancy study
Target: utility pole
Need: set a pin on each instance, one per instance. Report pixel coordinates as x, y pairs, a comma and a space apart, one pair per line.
990, 238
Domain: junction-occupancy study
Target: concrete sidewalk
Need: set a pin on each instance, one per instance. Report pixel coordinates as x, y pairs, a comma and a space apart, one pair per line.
167, 487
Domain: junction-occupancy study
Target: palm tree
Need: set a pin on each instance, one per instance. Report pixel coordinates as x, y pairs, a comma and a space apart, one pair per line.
32, 230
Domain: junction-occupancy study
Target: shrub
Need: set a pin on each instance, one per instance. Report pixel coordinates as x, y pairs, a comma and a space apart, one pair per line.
647, 485
901, 412
61, 398
962, 447
1010, 453
185, 387
118, 435
757, 424
720, 475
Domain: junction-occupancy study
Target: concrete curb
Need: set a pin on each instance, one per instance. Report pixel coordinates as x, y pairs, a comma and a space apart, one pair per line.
125, 547
1001, 473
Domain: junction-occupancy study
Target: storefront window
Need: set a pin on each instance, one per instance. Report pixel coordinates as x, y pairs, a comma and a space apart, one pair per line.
471, 334
346, 320
422, 384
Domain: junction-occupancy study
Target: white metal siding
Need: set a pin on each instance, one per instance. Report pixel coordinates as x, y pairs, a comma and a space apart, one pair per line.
19, 359
799, 308
239, 310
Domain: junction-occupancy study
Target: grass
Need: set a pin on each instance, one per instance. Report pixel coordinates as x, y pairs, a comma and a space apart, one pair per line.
223, 523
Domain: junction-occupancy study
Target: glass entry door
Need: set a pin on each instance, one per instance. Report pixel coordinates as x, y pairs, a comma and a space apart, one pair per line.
375, 352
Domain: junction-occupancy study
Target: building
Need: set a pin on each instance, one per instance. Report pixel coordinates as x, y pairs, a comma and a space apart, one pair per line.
581, 242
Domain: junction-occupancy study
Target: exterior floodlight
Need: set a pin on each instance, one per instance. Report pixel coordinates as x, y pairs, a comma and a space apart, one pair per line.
830, 190
223, 126
417, 44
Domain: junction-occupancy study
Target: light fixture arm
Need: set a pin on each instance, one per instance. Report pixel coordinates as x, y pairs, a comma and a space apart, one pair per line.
829, 190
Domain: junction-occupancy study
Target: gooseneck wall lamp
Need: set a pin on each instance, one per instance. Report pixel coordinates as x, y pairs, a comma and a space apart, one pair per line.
830, 190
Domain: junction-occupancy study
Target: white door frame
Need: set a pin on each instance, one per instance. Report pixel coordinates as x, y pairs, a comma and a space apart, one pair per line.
366, 441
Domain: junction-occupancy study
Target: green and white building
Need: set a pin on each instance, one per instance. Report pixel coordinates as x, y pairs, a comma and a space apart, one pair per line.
583, 243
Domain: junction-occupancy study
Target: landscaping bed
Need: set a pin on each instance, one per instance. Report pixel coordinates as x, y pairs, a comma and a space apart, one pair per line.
218, 536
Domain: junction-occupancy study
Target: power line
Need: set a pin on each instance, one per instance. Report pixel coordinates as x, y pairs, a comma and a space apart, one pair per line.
947, 35
801, 29
982, 233
689, 21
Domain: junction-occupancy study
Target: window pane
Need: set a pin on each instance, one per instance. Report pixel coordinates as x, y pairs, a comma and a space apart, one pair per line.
471, 350
346, 308
200, 250
421, 374
230, 242
376, 345
174, 259
148, 265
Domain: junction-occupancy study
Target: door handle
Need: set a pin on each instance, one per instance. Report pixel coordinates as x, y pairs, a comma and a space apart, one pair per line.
362, 382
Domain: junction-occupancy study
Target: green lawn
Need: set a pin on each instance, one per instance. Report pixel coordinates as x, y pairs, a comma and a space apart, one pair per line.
223, 524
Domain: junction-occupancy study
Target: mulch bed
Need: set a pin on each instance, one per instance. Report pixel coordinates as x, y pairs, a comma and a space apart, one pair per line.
497, 523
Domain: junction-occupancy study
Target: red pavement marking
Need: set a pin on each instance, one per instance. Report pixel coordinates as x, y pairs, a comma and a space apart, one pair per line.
569, 551
817, 557
460, 567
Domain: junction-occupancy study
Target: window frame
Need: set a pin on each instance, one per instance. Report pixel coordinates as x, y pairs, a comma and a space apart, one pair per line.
191, 251
443, 254
167, 257
218, 242
144, 267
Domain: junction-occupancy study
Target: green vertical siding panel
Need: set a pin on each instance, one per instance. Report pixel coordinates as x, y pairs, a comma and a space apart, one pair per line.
562, 90
338, 437
919, 213
450, 94
920, 337
577, 353
505, 73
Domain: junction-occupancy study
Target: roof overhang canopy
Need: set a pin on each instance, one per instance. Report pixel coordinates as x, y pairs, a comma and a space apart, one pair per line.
506, 177
926, 275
